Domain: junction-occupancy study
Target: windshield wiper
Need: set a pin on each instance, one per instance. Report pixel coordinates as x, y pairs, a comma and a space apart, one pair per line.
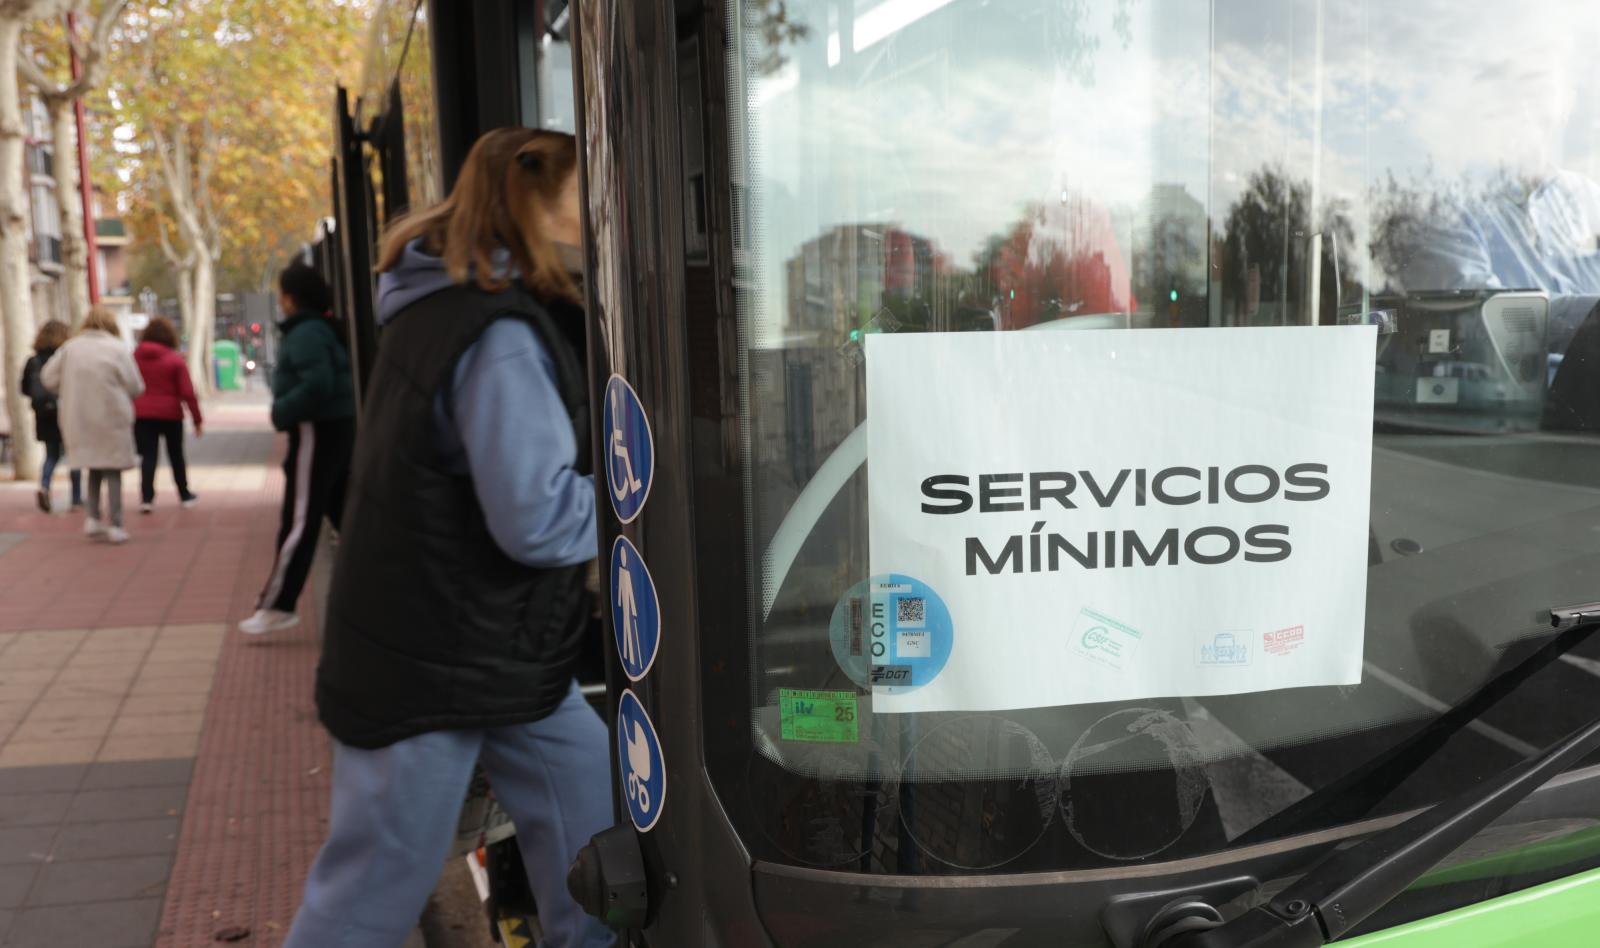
1353, 796
1346, 887
1343, 889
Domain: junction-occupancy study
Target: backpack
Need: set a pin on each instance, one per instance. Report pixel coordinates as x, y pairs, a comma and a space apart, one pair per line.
44, 401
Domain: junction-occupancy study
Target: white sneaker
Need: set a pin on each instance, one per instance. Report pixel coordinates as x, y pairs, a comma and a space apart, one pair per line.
93, 529
117, 535
268, 620
189, 504
147, 508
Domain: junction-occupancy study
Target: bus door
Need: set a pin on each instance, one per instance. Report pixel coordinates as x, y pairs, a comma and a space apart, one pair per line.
1067, 467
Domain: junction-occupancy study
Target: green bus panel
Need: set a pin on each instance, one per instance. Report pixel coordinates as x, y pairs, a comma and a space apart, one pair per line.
1560, 914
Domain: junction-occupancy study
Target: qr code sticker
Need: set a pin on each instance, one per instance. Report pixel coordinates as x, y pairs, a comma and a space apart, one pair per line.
911, 612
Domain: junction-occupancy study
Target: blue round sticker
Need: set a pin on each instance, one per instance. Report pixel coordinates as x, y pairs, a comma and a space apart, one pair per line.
644, 773
891, 633
630, 451
635, 616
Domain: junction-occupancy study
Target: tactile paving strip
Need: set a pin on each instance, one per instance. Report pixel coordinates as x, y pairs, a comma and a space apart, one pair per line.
257, 805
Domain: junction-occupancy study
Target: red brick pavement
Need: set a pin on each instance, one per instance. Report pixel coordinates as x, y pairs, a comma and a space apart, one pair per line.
257, 805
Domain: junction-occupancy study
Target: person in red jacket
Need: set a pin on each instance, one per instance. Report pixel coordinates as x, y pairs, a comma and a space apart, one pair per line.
158, 413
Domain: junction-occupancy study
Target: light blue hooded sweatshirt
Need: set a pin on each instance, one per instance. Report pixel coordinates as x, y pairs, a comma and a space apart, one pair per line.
502, 422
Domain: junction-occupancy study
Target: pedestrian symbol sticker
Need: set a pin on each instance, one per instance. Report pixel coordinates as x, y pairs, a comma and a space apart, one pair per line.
635, 615
644, 773
630, 450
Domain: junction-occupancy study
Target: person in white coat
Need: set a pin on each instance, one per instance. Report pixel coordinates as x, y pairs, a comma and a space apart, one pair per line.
97, 380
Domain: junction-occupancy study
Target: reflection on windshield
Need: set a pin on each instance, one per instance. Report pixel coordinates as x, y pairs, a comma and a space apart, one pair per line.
963, 166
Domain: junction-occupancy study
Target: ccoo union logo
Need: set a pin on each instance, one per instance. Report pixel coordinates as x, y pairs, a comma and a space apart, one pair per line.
1284, 641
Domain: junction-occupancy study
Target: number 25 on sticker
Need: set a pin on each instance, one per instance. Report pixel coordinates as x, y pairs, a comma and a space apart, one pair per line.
822, 716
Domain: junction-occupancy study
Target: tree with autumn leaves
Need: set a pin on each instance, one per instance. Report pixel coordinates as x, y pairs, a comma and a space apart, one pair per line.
221, 112
210, 118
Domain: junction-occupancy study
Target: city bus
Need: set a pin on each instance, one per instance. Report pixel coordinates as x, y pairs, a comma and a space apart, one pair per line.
1218, 567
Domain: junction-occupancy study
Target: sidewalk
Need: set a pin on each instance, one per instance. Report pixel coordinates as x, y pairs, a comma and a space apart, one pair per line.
163, 781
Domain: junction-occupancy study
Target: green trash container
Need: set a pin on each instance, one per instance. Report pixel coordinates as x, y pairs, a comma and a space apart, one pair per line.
230, 365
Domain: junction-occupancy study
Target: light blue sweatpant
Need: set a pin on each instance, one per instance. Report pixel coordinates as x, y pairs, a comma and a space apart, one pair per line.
395, 812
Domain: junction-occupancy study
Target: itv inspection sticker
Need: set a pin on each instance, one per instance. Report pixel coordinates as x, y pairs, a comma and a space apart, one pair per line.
824, 716
1102, 639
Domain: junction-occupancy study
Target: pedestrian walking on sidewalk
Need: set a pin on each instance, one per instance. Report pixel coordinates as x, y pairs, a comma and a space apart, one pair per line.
97, 380
313, 400
158, 413
46, 408
458, 606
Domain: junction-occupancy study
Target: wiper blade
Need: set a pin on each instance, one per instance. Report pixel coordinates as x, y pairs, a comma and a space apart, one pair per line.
1353, 796
1343, 889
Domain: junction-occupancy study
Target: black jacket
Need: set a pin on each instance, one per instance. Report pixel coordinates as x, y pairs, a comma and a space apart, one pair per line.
430, 625
45, 425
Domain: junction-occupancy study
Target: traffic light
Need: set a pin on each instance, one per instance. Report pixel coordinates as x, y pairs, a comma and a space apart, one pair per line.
256, 327
1173, 296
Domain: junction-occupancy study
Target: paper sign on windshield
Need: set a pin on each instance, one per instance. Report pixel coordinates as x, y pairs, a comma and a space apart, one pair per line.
1114, 514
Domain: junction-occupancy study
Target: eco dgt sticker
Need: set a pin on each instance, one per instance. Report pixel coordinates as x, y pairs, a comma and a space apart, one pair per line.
891, 633
822, 716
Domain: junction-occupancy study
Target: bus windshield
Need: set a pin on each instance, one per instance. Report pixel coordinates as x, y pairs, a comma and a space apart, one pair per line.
1429, 171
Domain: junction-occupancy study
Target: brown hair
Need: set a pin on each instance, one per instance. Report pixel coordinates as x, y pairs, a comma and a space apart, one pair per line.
102, 319
51, 335
160, 330
507, 174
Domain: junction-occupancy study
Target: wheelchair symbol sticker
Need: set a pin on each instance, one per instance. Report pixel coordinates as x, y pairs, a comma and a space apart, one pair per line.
644, 773
629, 449
635, 616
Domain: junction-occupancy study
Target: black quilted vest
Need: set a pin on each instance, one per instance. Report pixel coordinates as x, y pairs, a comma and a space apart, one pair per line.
430, 626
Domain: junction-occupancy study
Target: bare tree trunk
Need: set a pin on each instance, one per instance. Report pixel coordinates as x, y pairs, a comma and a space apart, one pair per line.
186, 297
16, 303
74, 248
204, 308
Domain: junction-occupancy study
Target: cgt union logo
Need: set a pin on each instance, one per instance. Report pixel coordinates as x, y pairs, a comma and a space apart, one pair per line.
1225, 648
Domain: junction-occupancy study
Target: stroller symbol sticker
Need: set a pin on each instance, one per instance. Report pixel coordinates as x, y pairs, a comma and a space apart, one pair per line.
635, 616
629, 449
644, 774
